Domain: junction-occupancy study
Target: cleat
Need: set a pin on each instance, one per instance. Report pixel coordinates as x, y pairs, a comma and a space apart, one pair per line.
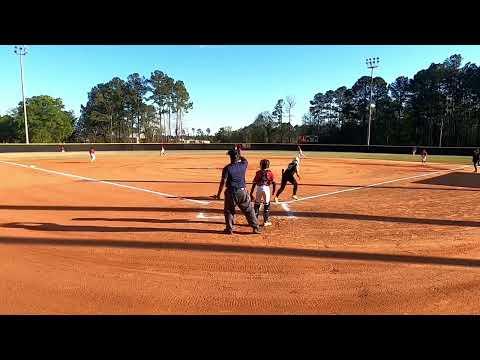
256, 230
295, 197
268, 223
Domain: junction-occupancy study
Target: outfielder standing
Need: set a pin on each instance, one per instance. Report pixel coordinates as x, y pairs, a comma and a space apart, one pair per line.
92, 154
263, 178
233, 177
424, 156
476, 158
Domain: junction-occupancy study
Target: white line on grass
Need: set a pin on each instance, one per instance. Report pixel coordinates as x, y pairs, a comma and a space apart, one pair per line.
371, 185
106, 182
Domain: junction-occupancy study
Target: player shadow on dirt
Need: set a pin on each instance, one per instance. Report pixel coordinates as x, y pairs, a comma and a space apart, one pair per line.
274, 213
36, 226
157, 221
457, 179
246, 249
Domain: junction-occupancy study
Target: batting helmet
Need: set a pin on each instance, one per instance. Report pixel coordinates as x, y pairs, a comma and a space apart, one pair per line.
264, 164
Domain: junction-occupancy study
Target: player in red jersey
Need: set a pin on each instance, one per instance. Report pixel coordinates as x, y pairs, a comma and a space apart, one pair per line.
263, 179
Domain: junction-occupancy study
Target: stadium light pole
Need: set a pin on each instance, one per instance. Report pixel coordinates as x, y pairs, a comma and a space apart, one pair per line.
22, 51
372, 63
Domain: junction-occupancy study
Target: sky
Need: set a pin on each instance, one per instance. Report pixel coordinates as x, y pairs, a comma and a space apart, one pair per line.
228, 84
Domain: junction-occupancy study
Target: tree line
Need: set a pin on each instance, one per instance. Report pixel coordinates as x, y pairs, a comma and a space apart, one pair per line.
268, 127
135, 109
48, 121
150, 110
439, 106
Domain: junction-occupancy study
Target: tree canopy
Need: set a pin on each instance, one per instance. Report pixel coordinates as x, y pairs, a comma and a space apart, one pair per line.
439, 106
134, 110
48, 121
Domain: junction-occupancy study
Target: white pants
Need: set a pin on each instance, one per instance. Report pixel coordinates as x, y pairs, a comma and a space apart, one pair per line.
263, 194
92, 157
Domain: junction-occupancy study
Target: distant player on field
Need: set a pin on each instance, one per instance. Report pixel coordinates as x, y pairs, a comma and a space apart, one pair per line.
300, 153
162, 152
263, 178
92, 154
424, 156
476, 158
288, 176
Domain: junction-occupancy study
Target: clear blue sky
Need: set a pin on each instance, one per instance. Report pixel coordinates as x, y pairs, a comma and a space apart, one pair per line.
229, 85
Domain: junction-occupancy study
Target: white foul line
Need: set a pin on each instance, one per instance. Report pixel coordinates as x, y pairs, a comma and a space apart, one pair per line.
371, 185
287, 209
202, 216
106, 182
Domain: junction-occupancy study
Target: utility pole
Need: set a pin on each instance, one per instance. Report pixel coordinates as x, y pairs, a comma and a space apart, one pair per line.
372, 63
22, 51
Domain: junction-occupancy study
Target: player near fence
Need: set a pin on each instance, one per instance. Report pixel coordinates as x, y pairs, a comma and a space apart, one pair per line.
476, 158
288, 176
300, 155
163, 152
91, 152
233, 178
262, 181
424, 155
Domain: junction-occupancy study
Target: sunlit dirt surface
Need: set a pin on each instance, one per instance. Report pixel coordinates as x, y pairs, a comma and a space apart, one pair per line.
74, 245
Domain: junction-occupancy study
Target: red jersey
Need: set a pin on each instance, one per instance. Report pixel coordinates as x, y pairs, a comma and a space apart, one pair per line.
92, 151
263, 177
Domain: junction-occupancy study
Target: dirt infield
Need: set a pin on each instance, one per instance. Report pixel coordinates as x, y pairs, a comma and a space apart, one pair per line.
138, 234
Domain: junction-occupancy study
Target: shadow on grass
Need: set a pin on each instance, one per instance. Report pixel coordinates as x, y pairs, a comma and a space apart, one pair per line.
457, 179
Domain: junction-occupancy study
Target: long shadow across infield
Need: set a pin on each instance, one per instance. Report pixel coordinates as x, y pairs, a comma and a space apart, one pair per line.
245, 249
305, 214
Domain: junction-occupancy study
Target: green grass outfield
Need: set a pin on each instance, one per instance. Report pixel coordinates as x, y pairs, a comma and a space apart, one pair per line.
446, 159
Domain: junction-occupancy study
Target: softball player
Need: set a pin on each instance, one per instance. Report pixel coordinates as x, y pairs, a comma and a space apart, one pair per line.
162, 152
424, 156
263, 178
288, 176
92, 154
476, 158
300, 153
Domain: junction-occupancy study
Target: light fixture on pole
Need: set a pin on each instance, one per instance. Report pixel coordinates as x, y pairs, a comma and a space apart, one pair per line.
22, 51
372, 63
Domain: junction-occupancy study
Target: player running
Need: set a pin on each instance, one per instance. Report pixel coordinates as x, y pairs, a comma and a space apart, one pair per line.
476, 158
92, 154
288, 176
263, 178
424, 156
162, 152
